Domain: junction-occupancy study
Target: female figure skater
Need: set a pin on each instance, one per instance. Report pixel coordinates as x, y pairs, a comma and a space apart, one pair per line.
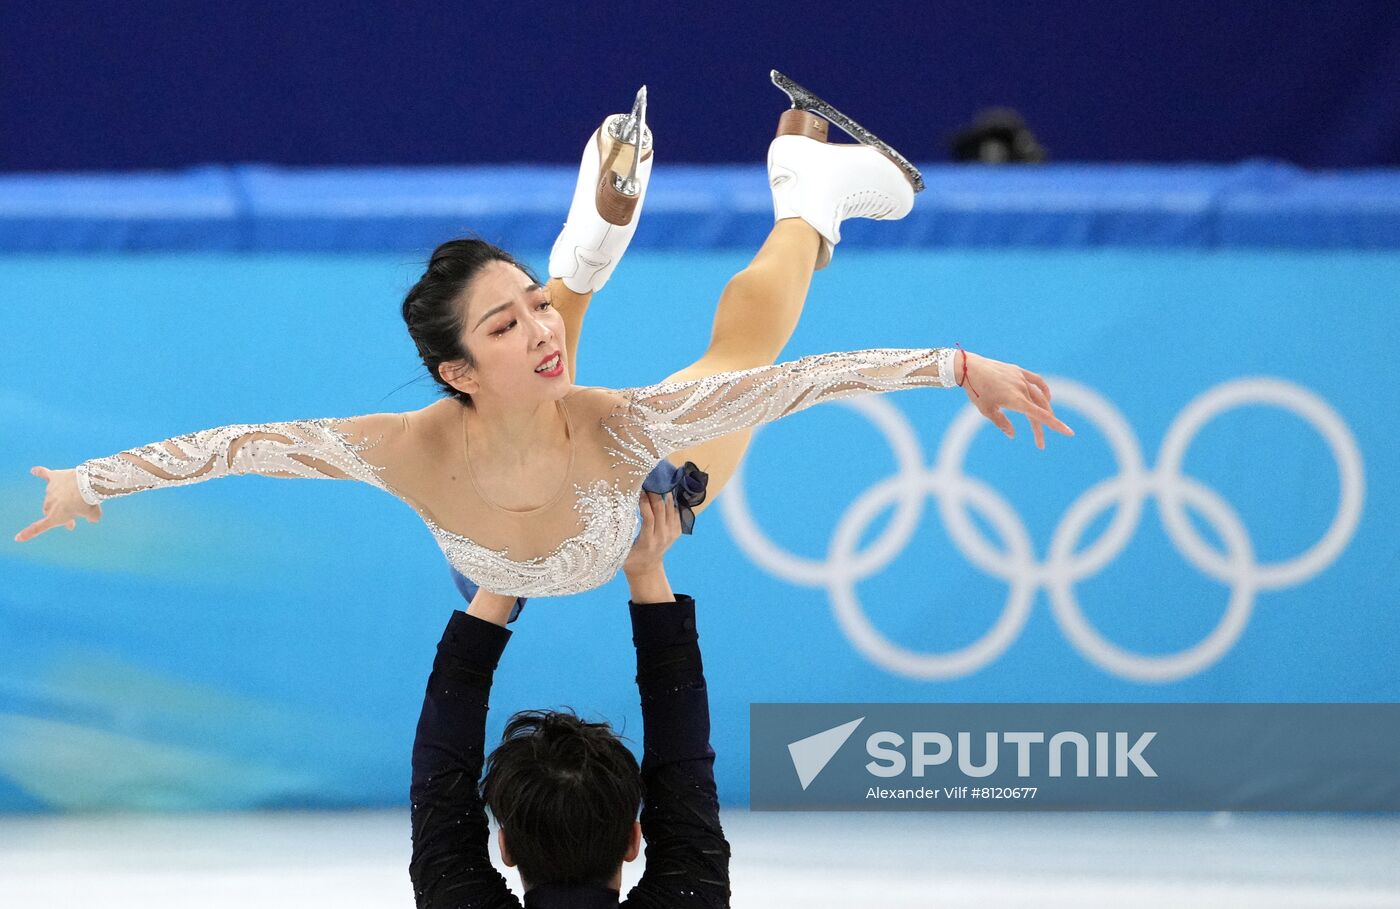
529, 482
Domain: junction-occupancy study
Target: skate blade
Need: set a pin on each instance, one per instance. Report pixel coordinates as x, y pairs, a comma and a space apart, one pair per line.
630, 131
639, 129
802, 99
622, 146
632, 128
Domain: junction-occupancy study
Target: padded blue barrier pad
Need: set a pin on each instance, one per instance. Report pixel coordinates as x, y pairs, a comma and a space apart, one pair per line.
1349, 210
261, 208
100, 212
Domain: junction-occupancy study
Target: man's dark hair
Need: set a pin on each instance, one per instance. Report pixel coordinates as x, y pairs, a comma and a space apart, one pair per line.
566, 792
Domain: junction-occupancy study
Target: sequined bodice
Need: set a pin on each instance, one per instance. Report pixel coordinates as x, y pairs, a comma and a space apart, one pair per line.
582, 562
584, 541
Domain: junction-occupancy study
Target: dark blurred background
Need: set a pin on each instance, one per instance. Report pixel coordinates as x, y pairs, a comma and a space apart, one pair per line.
100, 84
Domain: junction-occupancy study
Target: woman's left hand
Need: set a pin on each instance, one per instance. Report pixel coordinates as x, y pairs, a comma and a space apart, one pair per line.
991, 385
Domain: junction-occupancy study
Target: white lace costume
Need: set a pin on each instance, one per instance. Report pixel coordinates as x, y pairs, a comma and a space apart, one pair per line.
575, 542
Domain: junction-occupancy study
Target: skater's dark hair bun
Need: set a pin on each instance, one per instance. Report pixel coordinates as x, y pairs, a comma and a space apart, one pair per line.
565, 793
432, 313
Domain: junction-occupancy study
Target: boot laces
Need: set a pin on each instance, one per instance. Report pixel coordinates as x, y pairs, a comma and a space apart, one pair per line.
868, 203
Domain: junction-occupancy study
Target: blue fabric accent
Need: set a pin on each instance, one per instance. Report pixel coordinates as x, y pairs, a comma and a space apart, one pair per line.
260, 208
686, 483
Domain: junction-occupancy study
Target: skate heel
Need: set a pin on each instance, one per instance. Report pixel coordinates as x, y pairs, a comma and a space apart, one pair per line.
794, 122
804, 102
623, 143
615, 204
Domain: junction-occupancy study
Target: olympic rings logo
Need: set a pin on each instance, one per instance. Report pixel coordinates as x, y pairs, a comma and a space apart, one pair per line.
1062, 566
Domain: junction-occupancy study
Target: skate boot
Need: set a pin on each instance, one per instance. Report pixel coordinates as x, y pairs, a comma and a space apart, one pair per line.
612, 182
824, 184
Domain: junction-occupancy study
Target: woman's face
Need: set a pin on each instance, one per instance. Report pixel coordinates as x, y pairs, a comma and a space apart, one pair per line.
511, 329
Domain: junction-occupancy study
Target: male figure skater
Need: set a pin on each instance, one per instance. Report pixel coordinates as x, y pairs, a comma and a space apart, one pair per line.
565, 792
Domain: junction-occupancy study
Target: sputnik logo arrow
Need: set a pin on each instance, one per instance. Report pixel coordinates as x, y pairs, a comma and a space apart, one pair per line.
812, 754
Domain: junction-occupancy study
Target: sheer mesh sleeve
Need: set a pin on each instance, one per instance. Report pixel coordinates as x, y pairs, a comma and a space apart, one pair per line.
312, 449
657, 420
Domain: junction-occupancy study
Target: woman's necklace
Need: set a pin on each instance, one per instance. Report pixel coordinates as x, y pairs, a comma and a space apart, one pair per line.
569, 431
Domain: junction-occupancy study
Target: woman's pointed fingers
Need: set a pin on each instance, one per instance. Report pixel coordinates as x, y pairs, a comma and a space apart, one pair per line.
1001, 422
33, 530
1037, 426
1057, 425
1046, 416
1038, 429
1036, 379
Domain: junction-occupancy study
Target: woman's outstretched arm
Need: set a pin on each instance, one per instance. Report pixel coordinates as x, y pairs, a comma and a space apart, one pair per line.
329, 449
653, 421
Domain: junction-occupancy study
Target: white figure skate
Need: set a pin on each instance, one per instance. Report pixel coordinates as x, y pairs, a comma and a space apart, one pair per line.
612, 183
825, 184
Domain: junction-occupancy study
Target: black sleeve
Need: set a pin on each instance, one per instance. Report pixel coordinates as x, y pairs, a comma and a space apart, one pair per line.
450, 866
687, 856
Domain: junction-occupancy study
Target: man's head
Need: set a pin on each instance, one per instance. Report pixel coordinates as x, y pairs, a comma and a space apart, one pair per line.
565, 793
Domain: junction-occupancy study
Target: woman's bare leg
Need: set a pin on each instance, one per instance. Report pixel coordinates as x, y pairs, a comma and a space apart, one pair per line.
592, 243
754, 319
572, 308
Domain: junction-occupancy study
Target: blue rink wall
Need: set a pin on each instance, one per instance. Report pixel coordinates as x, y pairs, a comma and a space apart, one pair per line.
259, 642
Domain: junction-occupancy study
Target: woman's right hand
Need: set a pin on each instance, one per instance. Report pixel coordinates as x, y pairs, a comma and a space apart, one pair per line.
63, 504
991, 385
